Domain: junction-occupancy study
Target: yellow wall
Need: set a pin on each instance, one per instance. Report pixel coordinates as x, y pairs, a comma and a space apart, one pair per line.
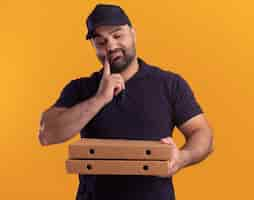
210, 43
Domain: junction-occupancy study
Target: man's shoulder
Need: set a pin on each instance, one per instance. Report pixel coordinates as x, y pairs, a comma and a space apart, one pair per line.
84, 86
161, 73
93, 79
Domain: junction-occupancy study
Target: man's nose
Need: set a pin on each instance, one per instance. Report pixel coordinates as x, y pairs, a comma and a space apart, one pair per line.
111, 46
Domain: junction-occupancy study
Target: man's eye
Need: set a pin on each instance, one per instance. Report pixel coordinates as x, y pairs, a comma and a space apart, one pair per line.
100, 43
117, 36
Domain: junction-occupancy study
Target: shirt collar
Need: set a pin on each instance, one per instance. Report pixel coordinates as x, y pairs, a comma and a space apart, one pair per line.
142, 71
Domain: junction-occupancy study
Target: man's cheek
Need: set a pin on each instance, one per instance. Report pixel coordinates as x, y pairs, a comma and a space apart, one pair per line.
101, 56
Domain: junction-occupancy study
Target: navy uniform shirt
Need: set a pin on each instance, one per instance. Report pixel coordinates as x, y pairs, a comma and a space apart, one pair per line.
153, 103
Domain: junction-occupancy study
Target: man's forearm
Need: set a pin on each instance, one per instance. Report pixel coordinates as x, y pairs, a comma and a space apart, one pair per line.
197, 147
59, 128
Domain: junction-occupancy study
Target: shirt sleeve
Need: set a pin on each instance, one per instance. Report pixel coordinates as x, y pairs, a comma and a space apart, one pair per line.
185, 105
69, 95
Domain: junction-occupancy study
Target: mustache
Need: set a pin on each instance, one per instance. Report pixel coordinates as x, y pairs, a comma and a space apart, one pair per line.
115, 51
103, 57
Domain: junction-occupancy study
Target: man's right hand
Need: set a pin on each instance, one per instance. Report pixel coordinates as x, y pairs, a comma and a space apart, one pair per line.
110, 85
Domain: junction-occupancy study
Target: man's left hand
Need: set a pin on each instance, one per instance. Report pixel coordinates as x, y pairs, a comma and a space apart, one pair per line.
176, 161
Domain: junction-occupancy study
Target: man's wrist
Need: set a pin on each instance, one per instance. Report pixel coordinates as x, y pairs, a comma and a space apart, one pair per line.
185, 157
100, 100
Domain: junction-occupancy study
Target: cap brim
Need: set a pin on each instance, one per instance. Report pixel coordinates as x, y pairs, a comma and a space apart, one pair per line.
90, 34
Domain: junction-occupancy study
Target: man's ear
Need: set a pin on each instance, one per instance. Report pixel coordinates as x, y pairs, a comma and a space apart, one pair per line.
92, 42
133, 32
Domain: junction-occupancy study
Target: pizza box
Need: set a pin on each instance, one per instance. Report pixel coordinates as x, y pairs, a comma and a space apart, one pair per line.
119, 149
117, 167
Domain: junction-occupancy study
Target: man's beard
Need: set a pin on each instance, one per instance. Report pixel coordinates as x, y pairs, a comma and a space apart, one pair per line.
120, 63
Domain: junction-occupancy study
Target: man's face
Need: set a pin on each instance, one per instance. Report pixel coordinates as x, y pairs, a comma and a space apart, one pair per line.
118, 43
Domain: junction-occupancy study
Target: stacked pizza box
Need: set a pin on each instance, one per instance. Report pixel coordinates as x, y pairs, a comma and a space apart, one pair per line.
118, 157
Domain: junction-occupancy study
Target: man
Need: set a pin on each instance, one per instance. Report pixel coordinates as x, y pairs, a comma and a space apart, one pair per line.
127, 99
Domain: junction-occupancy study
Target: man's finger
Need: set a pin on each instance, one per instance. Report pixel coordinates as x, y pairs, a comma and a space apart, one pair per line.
168, 140
106, 70
171, 164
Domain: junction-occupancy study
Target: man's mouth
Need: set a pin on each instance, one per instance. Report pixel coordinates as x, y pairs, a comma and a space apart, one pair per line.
115, 56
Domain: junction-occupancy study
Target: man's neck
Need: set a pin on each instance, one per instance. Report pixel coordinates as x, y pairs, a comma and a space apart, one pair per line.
131, 70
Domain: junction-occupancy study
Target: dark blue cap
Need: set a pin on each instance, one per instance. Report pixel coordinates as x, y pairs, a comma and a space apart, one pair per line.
105, 14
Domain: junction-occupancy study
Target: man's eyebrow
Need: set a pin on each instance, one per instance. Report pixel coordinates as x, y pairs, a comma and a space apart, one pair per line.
113, 31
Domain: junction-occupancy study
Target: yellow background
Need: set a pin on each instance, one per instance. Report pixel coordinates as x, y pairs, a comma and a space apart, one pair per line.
43, 46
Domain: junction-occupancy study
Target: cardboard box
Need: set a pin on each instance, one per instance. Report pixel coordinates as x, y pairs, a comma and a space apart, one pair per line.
120, 167
121, 149
118, 156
